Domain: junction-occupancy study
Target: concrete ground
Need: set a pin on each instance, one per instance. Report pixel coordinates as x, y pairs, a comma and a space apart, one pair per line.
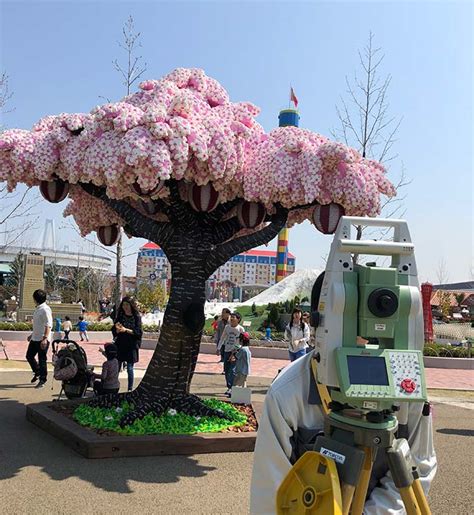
40, 475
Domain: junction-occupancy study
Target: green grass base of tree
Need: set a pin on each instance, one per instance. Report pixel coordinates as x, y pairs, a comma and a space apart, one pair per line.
170, 422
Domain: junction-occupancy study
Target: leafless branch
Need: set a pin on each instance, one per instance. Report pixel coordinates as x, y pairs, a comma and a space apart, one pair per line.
5, 93
133, 69
442, 273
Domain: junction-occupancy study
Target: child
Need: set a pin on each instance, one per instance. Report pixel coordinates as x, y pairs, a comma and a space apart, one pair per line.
242, 366
215, 323
230, 340
82, 326
57, 329
108, 381
268, 334
67, 327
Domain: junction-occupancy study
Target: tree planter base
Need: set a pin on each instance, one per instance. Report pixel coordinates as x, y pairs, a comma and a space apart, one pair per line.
89, 444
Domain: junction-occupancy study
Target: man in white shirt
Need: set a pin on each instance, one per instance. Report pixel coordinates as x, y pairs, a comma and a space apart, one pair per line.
39, 338
293, 407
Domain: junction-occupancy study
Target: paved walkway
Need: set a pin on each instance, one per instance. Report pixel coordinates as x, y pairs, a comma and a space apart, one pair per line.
450, 379
40, 475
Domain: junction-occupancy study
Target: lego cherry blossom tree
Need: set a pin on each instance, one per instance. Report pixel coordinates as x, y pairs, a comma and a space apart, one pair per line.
179, 164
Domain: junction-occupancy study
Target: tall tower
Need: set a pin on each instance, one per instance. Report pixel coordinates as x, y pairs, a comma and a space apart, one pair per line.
47, 240
287, 117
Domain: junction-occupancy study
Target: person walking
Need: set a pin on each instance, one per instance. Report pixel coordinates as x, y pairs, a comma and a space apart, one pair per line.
127, 331
297, 335
82, 327
230, 341
40, 338
67, 327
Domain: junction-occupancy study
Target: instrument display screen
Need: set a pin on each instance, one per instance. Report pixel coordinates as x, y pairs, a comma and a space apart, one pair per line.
367, 370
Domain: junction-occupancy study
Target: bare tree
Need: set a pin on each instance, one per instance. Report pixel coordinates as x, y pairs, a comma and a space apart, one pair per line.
444, 296
5, 93
16, 209
131, 71
366, 124
442, 273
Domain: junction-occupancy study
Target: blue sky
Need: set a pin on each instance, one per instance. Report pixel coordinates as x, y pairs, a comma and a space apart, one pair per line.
59, 59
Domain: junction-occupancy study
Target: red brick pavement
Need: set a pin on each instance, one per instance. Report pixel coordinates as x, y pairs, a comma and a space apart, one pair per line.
261, 367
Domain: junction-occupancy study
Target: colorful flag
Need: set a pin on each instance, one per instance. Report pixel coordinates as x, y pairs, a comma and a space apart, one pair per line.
293, 97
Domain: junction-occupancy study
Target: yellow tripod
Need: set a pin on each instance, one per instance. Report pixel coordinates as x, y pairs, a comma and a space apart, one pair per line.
334, 479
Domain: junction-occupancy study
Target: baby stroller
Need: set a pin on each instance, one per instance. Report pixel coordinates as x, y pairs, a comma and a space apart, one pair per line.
71, 368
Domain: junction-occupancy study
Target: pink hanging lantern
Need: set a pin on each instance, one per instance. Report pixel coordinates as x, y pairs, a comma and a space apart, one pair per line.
147, 193
203, 198
108, 234
326, 217
251, 214
54, 191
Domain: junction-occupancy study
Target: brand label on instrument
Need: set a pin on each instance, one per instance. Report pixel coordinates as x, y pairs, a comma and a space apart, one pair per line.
380, 327
340, 458
370, 405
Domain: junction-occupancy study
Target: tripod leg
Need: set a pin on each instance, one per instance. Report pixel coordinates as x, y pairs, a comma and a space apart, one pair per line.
409, 500
421, 498
347, 494
406, 479
363, 484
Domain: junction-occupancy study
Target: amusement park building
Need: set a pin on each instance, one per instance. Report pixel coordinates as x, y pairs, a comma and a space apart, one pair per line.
256, 268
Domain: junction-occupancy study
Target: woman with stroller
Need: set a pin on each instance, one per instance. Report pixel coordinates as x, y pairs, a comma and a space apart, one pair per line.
108, 381
127, 331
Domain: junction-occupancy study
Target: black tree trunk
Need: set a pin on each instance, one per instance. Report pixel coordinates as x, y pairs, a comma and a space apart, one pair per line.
168, 377
196, 244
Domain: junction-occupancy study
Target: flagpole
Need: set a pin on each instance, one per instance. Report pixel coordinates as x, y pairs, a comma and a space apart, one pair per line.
289, 100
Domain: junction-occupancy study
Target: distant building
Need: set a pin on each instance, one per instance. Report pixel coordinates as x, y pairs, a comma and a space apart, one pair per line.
46, 247
129, 285
152, 265
251, 271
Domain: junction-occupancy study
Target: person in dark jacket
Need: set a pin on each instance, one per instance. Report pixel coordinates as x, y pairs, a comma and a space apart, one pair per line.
127, 331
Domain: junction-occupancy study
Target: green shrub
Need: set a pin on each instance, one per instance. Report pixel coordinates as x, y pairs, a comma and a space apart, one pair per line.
15, 326
444, 351
98, 326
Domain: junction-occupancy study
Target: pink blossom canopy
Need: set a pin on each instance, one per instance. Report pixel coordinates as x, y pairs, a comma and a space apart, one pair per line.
184, 126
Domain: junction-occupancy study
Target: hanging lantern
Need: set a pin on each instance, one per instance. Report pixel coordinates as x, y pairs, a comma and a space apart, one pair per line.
151, 208
54, 191
326, 217
147, 193
203, 198
108, 234
251, 214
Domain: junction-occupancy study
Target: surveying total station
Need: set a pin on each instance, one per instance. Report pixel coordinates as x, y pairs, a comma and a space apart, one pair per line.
368, 366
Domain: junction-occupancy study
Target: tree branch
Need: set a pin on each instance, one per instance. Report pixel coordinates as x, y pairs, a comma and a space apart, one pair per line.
136, 223
225, 230
221, 210
223, 252
180, 212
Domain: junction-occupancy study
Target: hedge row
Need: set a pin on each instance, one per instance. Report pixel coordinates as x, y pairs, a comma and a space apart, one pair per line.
445, 351
430, 349
95, 326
